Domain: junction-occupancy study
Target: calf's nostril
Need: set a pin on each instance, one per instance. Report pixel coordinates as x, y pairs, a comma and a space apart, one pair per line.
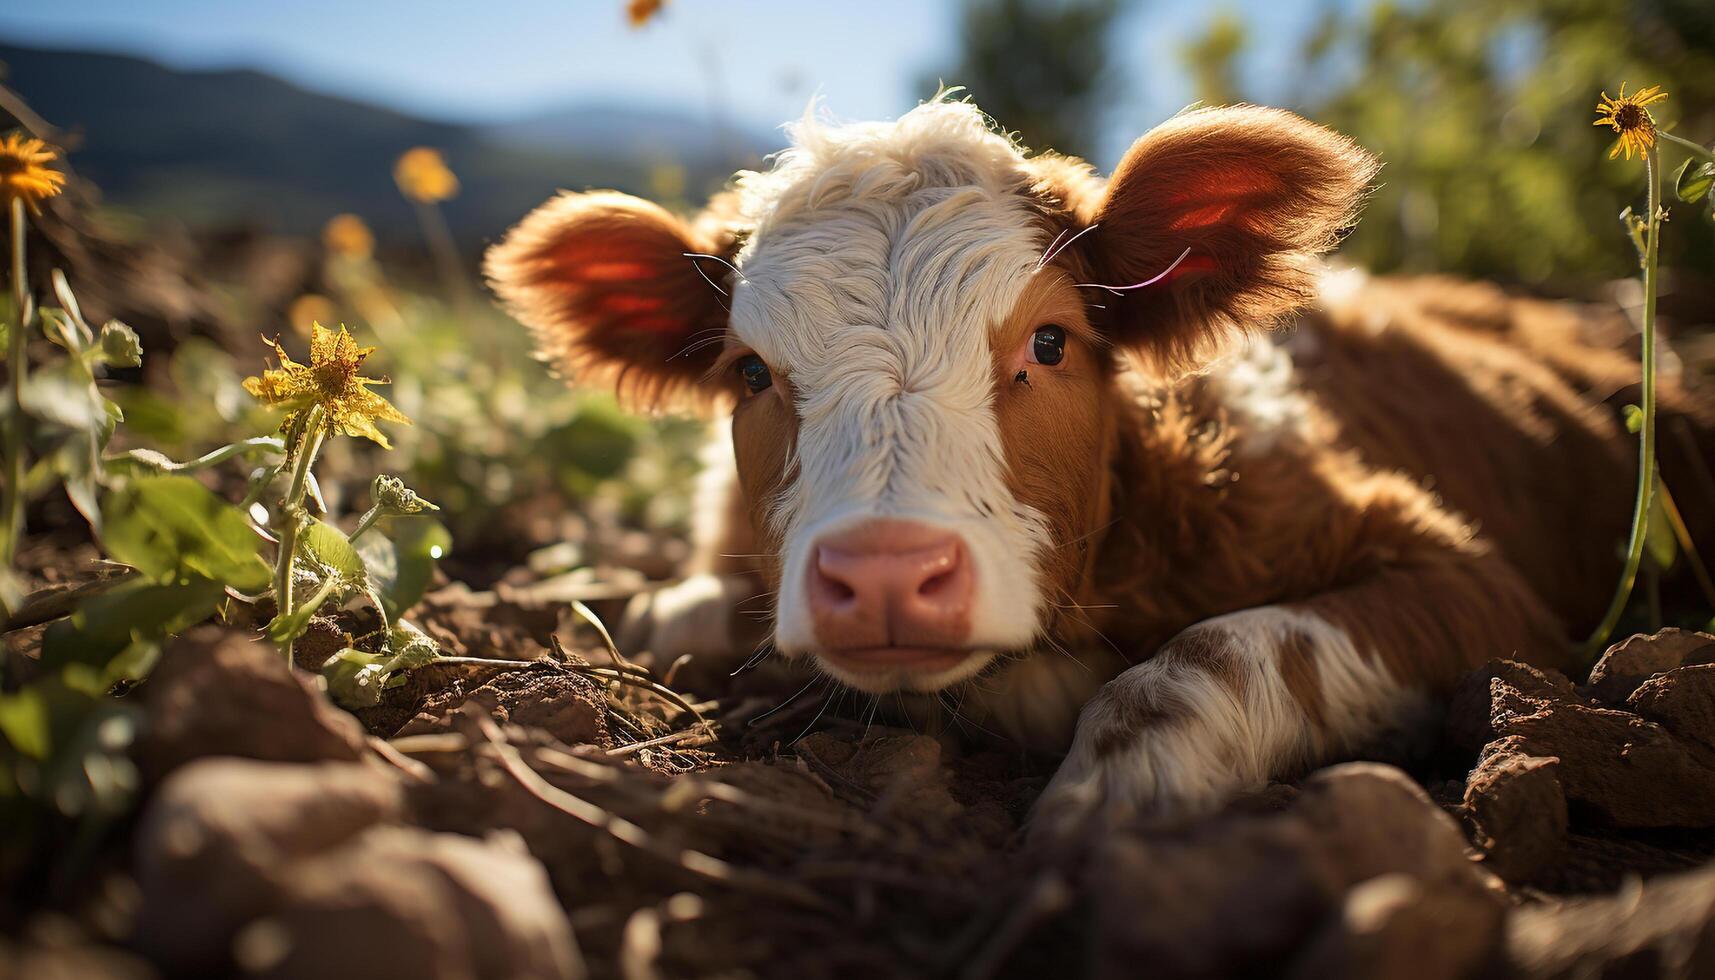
938, 585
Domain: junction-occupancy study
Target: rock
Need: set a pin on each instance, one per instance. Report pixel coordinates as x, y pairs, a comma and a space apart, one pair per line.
402, 902
1633, 772
1519, 809
1681, 701
1470, 710
210, 840
1244, 893
286, 870
1397, 926
1638, 658
1664, 927
216, 692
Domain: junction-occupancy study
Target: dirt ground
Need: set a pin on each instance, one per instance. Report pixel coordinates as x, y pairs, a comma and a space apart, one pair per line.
563, 815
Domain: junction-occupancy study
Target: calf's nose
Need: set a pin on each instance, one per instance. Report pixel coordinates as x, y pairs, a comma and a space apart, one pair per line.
891, 583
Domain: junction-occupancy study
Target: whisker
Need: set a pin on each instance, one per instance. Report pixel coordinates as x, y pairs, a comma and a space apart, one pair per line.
1152, 280
1053, 251
752, 722
874, 703
695, 346
1050, 251
705, 255
705, 275
827, 701
1056, 646
755, 658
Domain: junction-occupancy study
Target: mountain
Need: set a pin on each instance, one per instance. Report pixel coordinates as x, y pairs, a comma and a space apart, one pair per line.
222, 147
643, 133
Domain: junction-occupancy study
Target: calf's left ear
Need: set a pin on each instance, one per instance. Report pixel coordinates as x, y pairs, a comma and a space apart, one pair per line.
609, 286
1249, 197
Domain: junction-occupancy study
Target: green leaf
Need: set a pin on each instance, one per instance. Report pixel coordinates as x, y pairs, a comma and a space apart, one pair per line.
104, 630
24, 722
1659, 540
172, 528
290, 626
1695, 180
328, 546
119, 345
354, 678
404, 567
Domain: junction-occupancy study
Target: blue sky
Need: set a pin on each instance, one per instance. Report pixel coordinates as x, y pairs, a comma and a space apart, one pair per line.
493, 59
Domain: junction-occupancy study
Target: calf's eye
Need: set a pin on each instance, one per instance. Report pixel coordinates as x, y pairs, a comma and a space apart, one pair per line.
755, 373
1048, 346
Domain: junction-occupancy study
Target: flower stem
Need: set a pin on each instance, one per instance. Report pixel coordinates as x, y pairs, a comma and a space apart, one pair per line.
365, 522
12, 503
1646, 450
291, 513
1695, 149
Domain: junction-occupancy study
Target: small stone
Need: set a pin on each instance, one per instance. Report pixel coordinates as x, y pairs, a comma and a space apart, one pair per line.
1682, 701
217, 692
1520, 811
1638, 658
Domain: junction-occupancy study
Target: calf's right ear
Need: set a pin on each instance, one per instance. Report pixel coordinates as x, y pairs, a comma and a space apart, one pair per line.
1212, 224
608, 285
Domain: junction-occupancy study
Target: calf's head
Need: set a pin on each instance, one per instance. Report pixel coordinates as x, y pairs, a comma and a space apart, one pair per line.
921, 378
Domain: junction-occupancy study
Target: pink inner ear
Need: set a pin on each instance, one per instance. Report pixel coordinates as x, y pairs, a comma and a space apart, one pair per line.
1202, 217
611, 271
628, 303
1219, 195
1192, 265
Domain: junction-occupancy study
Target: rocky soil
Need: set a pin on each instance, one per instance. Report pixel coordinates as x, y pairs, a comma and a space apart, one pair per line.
562, 818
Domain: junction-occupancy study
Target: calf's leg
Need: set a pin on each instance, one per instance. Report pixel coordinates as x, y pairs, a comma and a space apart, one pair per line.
1265, 693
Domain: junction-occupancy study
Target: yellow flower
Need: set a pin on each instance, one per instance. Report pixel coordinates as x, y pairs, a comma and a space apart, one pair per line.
347, 235
1629, 115
308, 310
24, 171
640, 12
422, 176
331, 382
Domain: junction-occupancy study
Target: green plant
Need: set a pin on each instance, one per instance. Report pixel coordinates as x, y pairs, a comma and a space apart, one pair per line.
1631, 119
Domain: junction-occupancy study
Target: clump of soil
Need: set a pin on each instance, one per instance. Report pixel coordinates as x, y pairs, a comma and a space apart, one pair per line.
1578, 787
560, 816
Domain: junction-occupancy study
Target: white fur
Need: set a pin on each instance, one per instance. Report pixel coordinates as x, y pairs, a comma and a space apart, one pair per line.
883, 255
1217, 742
1256, 383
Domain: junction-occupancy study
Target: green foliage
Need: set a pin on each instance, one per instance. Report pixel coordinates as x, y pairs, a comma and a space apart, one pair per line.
400, 569
328, 546
1695, 181
1481, 113
172, 528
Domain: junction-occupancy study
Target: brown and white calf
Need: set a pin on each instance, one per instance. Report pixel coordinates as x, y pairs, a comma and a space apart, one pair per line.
1029, 443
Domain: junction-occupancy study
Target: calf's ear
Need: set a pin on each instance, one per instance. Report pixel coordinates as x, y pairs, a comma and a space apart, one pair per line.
604, 283
1249, 197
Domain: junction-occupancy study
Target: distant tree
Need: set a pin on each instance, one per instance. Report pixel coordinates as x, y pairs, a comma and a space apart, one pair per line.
1040, 67
1213, 59
1481, 112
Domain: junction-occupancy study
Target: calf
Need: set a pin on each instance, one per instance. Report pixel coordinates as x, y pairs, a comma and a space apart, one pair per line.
1027, 444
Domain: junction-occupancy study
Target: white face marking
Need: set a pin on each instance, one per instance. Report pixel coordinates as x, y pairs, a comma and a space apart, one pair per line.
882, 257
